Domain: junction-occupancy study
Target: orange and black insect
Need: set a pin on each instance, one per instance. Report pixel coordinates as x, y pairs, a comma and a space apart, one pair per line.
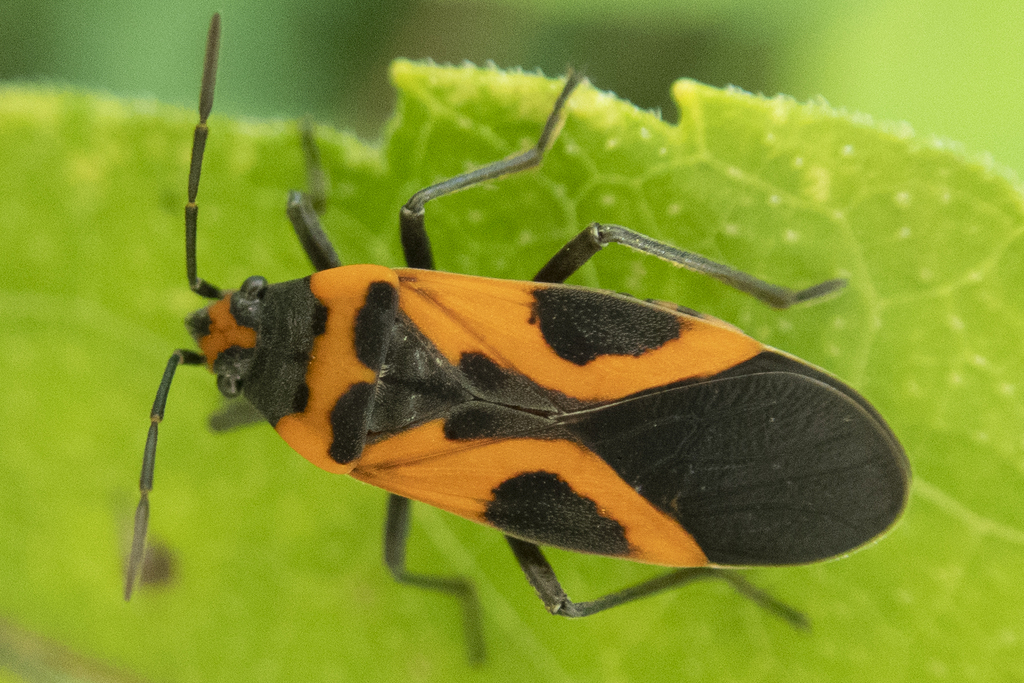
560, 415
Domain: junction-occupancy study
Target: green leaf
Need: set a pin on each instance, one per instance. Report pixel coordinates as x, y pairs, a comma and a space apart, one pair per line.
274, 567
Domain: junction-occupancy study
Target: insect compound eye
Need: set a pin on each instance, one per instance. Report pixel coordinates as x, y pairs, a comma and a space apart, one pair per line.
229, 386
232, 367
254, 287
247, 301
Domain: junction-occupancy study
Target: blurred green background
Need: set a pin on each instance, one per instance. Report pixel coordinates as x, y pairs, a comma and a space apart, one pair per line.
948, 67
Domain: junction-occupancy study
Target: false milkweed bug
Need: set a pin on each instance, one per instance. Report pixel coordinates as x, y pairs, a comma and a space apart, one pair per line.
560, 415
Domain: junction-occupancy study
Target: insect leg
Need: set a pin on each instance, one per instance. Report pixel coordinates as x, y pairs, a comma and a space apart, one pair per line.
418, 254
542, 577
311, 234
598, 235
234, 413
316, 177
396, 537
304, 209
415, 242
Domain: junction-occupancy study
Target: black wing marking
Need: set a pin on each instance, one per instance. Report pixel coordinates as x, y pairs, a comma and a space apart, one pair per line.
771, 468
